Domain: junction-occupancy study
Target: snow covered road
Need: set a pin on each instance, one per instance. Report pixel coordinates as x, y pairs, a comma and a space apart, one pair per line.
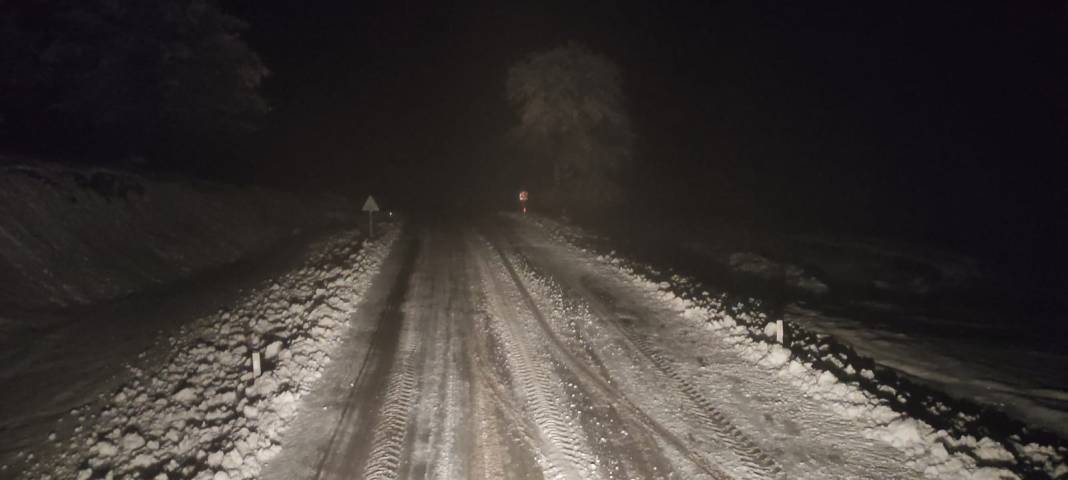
491, 350
497, 351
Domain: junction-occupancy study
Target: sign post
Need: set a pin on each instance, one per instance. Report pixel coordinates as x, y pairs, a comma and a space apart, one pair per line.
370, 206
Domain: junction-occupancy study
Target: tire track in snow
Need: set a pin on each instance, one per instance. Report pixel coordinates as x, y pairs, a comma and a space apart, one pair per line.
437, 430
718, 426
625, 433
502, 403
434, 421
340, 452
616, 398
448, 428
390, 432
567, 455
721, 427
388, 366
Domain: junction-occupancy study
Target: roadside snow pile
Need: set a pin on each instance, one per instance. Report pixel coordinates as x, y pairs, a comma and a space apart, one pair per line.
203, 415
938, 435
936, 453
943, 437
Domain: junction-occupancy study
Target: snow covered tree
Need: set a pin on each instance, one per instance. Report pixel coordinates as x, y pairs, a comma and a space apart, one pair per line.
572, 116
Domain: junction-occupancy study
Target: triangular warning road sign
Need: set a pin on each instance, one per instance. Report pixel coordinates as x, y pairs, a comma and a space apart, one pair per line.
370, 205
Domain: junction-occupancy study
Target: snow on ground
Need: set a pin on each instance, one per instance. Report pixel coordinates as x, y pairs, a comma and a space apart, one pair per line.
873, 265
886, 265
853, 385
1027, 383
940, 318
79, 235
203, 414
766, 269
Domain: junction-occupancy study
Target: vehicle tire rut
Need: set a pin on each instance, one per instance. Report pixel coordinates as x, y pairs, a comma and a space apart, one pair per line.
721, 427
390, 432
717, 425
567, 454
611, 394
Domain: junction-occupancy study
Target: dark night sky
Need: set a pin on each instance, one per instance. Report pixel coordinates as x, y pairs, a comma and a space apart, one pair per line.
940, 121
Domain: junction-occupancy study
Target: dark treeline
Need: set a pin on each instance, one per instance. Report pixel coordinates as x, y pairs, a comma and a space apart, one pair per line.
930, 122
166, 83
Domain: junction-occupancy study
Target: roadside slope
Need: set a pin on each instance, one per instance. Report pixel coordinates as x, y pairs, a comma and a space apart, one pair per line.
74, 236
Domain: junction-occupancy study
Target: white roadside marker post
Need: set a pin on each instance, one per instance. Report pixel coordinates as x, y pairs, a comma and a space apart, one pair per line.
778, 331
255, 364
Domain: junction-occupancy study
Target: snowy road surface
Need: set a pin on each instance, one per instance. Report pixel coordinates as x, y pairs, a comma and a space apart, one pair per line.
496, 352
489, 350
